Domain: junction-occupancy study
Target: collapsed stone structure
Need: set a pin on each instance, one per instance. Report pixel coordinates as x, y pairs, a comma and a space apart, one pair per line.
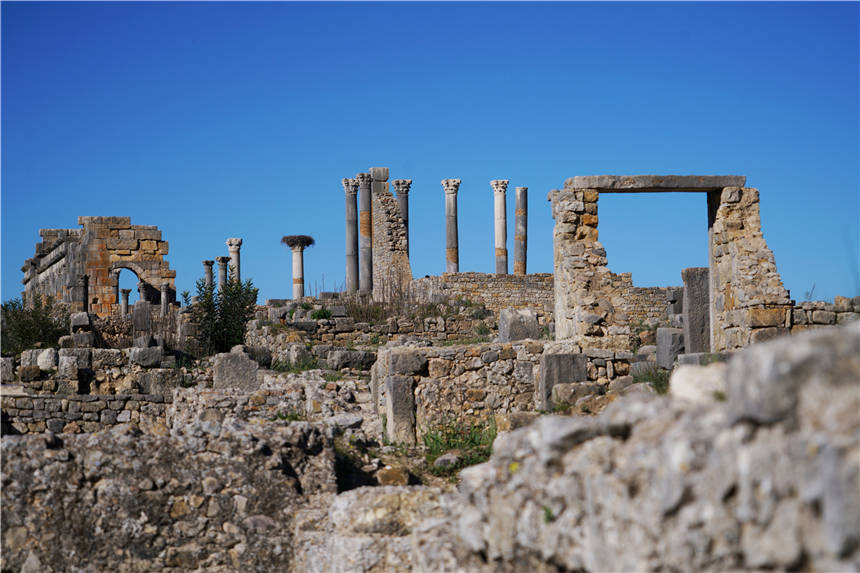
81, 266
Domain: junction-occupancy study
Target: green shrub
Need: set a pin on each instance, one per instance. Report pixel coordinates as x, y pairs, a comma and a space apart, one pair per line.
306, 364
474, 442
294, 416
482, 329
222, 317
25, 326
321, 313
655, 376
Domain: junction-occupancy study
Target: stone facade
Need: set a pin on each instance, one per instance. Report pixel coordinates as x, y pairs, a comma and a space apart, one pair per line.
391, 269
99, 250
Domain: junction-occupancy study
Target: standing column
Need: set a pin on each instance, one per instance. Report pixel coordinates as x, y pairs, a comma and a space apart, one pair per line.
115, 276
233, 246
84, 284
500, 188
298, 273
125, 292
165, 289
350, 188
141, 291
365, 228
222, 271
452, 254
521, 226
207, 269
402, 187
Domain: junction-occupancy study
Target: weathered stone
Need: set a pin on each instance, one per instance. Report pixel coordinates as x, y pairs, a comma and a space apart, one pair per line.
393, 476
47, 359
823, 317
518, 324
700, 384
670, 343
408, 361
358, 359
696, 310
107, 358
400, 409
30, 357
7, 369
83, 356
68, 368
80, 321
83, 339
236, 371
514, 420
29, 373
764, 317
558, 369
146, 357
641, 183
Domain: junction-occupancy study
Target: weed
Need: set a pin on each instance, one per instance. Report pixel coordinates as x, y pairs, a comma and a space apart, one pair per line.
321, 313
719, 396
472, 340
548, 516
374, 340
307, 306
482, 329
474, 442
293, 416
585, 409
655, 376
332, 376
306, 364
560, 407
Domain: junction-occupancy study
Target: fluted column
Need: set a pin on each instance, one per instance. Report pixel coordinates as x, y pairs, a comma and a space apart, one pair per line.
165, 290
298, 273
521, 226
125, 292
350, 189
207, 269
402, 186
222, 271
452, 254
233, 246
500, 188
365, 239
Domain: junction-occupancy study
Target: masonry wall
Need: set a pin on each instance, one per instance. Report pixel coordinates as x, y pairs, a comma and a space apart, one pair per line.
495, 292
391, 269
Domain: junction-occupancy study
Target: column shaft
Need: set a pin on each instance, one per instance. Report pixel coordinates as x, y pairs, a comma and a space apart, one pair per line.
125, 292
207, 269
233, 245
402, 187
500, 188
222, 271
365, 239
521, 224
350, 188
164, 295
452, 255
298, 274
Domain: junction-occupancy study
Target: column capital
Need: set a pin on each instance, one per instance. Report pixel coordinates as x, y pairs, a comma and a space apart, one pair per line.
125, 291
451, 186
234, 243
164, 286
350, 186
402, 186
222, 260
522, 189
208, 263
499, 185
364, 180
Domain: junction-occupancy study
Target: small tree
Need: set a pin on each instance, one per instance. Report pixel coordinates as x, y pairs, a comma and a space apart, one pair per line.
221, 317
24, 326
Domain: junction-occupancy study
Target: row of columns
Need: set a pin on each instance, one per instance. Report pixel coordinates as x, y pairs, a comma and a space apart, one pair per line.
359, 224
233, 246
500, 187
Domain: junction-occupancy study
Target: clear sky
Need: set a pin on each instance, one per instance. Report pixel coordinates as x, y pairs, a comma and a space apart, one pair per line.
217, 120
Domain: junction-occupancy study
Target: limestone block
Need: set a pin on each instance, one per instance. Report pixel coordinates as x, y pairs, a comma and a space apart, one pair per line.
7, 369
670, 343
400, 409
82, 356
764, 317
29, 373
358, 359
823, 317
140, 316
108, 358
518, 324
234, 370
47, 359
68, 368
699, 384
407, 361
80, 321
146, 357
83, 339
148, 245
29, 357
696, 309
558, 369
147, 234
121, 244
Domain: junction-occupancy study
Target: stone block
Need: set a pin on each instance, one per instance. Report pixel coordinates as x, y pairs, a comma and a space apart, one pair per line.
236, 371
141, 317
823, 317
702, 358
82, 356
80, 321
338, 311
558, 369
7, 369
764, 317
144, 341
115, 243
506, 422
670, 343
68, 368
400, 410
358, 359
344, 325
696, 309
641, 183
30, 357
67, 341
29, 373
47, 359
518, 324
407, 361
83, 339
108, 358
675, 300
145, 357
699, 384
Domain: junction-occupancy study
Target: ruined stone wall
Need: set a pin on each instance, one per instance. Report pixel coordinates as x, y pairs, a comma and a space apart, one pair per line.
748, 300
813, 315
646, 303
495, 292
391, 269
99, 250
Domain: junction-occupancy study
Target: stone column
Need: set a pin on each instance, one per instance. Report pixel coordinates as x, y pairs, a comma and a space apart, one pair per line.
402, 187
84, 284
696, 309
115, 276
233, 245
207, 269
452, 254
350, 188
521, 225
125, 292
165, 290
365, 227
298, 273
222, 271
500, 188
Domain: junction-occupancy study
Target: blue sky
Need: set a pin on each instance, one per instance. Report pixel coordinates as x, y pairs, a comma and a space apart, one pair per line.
217, 120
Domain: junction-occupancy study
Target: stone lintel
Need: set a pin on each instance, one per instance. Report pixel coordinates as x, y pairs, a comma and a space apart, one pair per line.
654, 183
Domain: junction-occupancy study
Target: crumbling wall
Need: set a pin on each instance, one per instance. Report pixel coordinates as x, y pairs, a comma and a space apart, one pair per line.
99, 250
391, 269
495, 292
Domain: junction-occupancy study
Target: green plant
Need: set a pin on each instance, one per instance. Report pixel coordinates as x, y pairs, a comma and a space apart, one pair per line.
560, 407
321, 313
186, 298
482, 329
471, 340
474, 442
301, 366
548, 516
585, 408
375, 339
23, 326
332, 376
719, 396
221, 317
293, 416
655, 376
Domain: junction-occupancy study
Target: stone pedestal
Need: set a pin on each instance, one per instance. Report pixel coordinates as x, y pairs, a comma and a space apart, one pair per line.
233, 246
500, 218
365, 234
350, 188
521, 222
452, 254
222, 271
